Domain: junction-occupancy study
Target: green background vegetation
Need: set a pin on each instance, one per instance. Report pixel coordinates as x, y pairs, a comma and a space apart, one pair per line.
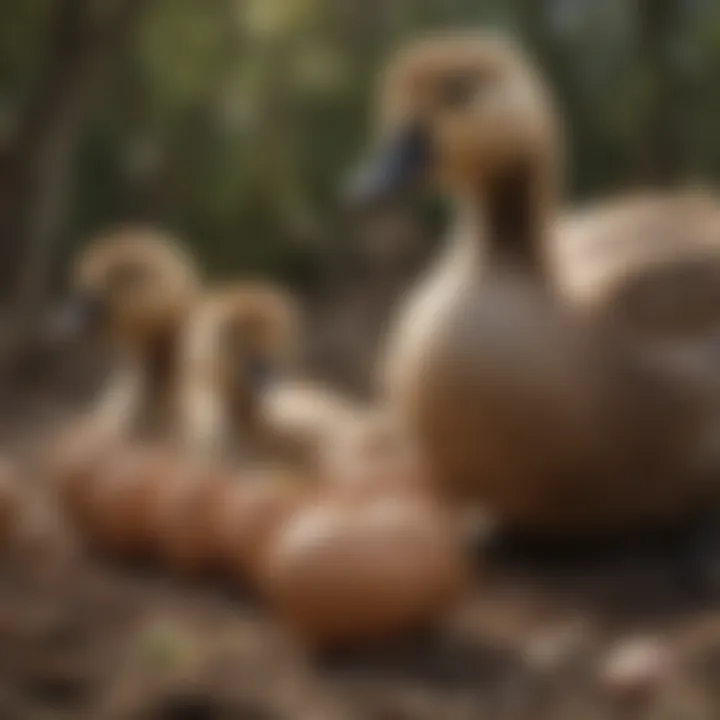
234, 121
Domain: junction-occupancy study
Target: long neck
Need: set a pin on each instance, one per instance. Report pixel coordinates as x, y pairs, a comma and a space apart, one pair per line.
155, 353
513, 217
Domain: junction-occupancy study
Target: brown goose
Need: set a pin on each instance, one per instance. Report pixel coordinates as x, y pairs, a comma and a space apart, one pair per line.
522, 399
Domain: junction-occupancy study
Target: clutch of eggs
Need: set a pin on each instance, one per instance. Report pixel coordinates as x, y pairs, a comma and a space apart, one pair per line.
365, 554
254, 507
130, 499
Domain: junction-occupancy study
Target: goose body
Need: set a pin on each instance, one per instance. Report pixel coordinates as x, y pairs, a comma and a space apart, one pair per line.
529, 390
549, 422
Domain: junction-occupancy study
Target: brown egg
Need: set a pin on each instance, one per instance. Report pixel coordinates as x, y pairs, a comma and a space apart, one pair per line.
9, 503
249, 515
351, 572
75, 458
124, 499
187, 511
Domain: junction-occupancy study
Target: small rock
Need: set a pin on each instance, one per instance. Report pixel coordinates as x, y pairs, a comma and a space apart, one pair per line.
636, 669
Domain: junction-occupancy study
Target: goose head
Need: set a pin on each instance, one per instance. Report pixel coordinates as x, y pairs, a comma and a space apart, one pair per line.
458, 112
130, 286
247, 333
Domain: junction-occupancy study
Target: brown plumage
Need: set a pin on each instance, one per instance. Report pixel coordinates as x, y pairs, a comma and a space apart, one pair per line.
134, 287
554, 421
238, 341
648, 263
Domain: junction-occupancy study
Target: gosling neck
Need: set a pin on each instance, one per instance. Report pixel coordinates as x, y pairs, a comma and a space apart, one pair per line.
155, 351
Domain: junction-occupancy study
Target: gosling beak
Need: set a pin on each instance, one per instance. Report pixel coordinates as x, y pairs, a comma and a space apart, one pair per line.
398, 163
80, 314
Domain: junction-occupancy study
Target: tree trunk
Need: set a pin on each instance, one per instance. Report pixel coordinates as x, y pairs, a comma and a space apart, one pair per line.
36, 176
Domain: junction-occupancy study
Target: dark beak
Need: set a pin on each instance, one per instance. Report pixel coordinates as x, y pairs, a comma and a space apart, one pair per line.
401, 161
80, 315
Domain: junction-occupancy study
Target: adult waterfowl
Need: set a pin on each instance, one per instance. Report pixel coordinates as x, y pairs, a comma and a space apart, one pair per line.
551, 420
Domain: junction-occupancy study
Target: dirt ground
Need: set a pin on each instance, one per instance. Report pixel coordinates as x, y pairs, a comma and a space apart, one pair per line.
546, 634
568, 633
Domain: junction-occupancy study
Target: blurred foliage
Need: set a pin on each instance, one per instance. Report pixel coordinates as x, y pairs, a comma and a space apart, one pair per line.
234, 121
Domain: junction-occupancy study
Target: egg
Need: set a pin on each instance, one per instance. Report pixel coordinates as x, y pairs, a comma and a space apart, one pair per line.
124, 499
186, 513
74, 459
347, 572
254, 507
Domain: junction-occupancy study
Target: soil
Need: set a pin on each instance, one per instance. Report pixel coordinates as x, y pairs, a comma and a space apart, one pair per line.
570, 633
